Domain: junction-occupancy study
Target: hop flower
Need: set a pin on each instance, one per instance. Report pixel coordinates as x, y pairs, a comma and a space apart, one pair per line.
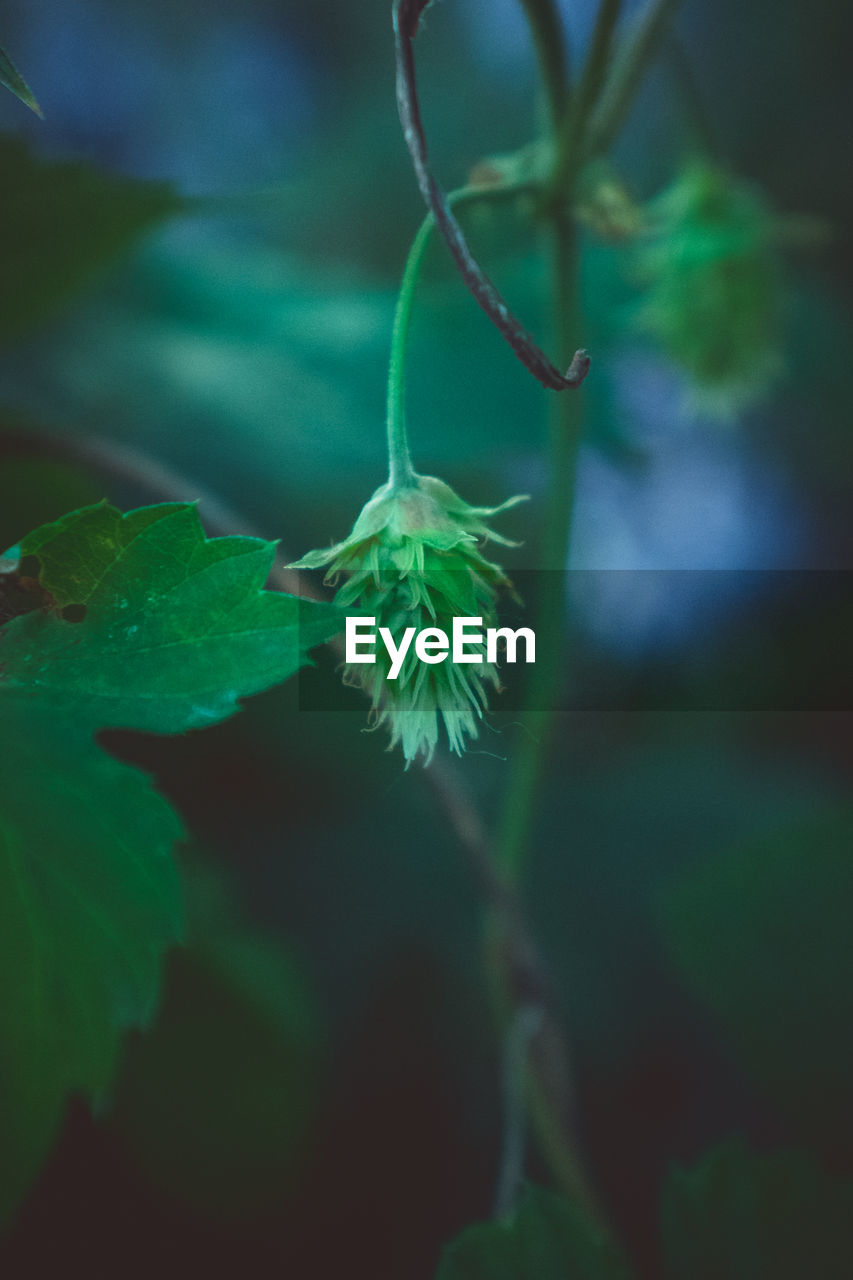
713, 294
413, 560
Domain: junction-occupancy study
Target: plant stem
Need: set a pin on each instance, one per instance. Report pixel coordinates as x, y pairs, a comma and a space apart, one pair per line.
570, 141
525, 1025
632, 59
549, 38
519, 979
549, 1085
549, 1096
565, 432
400, 471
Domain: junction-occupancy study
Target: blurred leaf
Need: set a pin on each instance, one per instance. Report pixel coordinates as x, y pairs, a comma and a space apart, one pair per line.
172, 629
547, 1238
740, 1216
211, 357
761, 934
88, 900
11, 77
216, 1099
59, 224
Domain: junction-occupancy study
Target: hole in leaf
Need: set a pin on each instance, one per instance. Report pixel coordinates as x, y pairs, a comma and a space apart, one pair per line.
74, 612
30, 567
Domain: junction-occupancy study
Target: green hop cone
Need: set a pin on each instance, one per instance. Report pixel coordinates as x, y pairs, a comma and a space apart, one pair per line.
414, 560
713, 295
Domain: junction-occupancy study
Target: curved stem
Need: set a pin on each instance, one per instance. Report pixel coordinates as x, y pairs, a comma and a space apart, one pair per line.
400, 471
406, 16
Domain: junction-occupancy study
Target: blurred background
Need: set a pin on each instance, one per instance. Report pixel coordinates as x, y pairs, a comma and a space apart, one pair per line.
321, 1095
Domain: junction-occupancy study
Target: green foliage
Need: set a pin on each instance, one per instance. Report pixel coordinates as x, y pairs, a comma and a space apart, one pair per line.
11, 77
291, 359
61, 222
713, 296
88, 900
171, 630
547, 1238
740, 1216
761, 934
164, 650
215, 1100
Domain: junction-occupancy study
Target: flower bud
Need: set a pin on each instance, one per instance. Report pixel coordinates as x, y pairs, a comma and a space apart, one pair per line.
414, 560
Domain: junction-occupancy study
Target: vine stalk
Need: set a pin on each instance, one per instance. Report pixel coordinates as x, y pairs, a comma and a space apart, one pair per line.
549, 1101
571, 136
400, 470
549, 38
565, 425
631, 61
581, 127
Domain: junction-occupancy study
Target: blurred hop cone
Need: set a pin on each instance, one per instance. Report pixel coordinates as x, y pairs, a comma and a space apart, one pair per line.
712, 290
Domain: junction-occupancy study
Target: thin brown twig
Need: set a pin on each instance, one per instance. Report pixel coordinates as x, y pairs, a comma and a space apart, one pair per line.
525, 981
407, 15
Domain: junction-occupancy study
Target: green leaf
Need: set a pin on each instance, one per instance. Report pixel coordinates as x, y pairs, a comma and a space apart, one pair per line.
172, 630
176, 629
741, 1216
215, 1101
761, 934
11, 77
88, 899
547, 1238
59, 224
